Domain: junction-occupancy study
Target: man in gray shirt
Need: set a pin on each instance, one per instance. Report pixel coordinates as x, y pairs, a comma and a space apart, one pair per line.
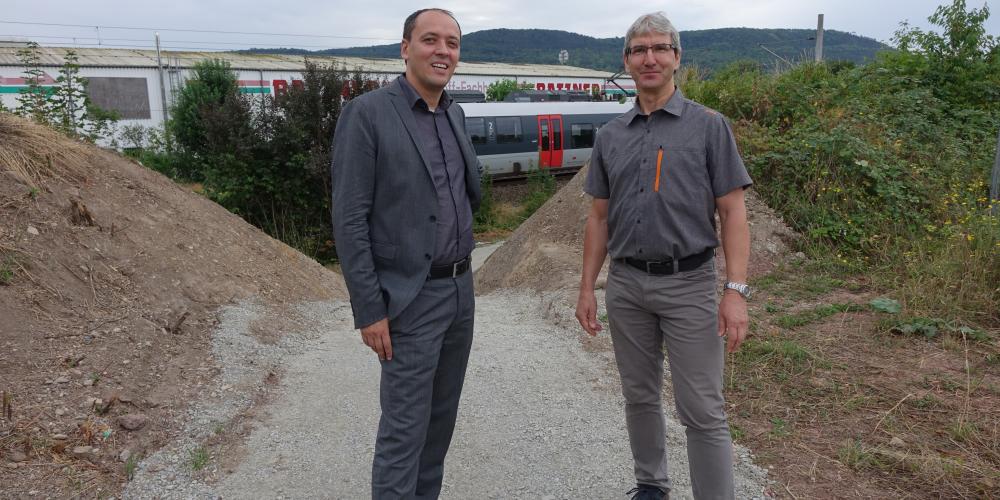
405, 184
658, 175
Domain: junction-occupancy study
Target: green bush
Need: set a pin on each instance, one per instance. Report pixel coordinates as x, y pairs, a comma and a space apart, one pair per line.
885, 164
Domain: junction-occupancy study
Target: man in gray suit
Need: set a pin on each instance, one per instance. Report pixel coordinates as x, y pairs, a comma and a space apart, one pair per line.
405, 184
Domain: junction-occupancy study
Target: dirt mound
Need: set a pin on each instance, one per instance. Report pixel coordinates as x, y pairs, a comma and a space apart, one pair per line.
544, 254
110, 279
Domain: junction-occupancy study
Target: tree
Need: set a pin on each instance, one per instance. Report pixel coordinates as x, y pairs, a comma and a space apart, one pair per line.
499, 89
65, 105
961, 64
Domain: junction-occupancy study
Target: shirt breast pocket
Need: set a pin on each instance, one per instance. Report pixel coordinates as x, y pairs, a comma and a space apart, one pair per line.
684, 170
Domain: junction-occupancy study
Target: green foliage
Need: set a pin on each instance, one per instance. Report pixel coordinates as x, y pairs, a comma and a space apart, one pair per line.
541, 187
885, 165
485, 217
498, 90
265, 159
199, 458
7, 270
932, 327
885, 305
815, 314
65, 106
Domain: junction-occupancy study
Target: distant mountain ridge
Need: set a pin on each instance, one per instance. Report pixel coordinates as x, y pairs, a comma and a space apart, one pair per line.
707, 49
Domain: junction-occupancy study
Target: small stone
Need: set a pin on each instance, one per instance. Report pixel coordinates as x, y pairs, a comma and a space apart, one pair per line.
76, 373
60, 437
132, 421
800, 255
33, 231
13, 465
116, 330
60, 412
17, 456
88, 383
125, 362
896, 442
84, 452
62, 380
125, 455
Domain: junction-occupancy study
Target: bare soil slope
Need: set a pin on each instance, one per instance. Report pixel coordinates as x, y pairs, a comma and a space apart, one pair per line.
110, 279
545, 252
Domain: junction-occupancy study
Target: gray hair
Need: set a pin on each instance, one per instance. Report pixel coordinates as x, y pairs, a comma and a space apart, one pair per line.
655, 22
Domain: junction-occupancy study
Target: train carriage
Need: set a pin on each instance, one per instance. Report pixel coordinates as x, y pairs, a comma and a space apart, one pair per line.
512, 139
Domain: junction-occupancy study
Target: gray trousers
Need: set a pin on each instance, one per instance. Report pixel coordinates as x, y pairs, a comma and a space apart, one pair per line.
420, 389
680, 310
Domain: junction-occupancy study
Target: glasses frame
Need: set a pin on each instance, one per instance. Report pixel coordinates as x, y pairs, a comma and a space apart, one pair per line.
634, 51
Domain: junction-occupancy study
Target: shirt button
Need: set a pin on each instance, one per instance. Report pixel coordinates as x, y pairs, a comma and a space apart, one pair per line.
637, 221
433, 218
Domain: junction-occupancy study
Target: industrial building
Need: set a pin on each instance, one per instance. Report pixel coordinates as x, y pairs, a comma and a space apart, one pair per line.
140, 84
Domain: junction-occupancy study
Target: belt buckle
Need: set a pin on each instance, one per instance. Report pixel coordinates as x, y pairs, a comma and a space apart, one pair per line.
454, 269
651, 263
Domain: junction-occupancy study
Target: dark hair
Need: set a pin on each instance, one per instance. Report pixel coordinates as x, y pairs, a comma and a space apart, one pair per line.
411, 21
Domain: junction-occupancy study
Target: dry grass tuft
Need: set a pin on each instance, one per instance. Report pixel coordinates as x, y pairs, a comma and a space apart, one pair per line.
35, 153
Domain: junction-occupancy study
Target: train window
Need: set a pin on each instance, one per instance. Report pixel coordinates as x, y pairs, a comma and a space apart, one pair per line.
476, 128
509, 129
582, 135
557, 142
545, 135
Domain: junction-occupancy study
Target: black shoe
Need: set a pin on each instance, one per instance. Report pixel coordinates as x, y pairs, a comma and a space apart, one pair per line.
645, 492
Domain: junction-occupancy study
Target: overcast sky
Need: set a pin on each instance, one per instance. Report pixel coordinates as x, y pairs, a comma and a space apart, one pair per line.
344, 24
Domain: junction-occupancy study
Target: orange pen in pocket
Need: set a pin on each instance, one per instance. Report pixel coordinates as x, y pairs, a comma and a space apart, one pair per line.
659, 161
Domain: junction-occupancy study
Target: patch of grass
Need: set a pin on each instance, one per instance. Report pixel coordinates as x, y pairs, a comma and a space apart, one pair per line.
735, 432
855, 455
962, 430
926, 402
199, 458
815, 314
779, 427
130, 465
7, 267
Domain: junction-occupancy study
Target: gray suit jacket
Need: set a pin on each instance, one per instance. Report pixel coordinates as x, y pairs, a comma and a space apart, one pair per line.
384, 202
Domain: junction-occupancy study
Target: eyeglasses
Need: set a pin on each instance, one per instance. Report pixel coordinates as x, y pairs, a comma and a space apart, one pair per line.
659, 50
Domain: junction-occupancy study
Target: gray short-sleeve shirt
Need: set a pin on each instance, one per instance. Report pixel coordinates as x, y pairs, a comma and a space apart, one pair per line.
670, 215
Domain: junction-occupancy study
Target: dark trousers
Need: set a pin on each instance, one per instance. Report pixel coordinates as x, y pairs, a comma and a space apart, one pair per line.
420, 389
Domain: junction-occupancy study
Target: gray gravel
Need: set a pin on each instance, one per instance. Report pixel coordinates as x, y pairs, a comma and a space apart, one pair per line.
541, 417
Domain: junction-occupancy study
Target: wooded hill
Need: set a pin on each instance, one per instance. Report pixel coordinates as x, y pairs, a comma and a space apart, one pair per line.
707, 49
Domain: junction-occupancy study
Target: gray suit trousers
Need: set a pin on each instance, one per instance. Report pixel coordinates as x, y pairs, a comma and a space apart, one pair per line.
681, 310
420, 389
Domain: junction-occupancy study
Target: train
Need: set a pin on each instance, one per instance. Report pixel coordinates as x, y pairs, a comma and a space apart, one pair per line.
514, 138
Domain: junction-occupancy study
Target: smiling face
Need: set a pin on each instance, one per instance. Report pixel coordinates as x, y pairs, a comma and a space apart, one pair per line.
431, 53
650, 71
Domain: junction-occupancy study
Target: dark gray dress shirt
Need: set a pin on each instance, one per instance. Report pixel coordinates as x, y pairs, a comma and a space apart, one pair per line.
437, 138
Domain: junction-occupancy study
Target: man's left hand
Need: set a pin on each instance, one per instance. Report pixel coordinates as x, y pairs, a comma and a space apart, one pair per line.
733, 319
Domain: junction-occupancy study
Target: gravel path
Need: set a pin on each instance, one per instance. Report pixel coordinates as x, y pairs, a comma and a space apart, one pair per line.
541, 416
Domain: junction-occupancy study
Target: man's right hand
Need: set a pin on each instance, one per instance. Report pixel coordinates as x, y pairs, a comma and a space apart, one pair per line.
376, 336
586, 312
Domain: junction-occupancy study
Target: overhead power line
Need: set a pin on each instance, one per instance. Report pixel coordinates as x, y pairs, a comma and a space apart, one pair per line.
188, 30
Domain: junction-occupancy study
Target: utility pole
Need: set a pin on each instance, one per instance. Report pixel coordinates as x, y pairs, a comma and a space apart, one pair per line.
159, 71
819, 39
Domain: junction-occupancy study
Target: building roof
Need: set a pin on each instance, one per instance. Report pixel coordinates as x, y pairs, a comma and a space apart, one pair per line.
133, 58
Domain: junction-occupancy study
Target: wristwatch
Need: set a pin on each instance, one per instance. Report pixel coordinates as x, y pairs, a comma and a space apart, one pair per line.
742, 288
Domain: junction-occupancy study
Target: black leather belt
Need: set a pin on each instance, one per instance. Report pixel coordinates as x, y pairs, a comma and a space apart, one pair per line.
450, 270
664, 267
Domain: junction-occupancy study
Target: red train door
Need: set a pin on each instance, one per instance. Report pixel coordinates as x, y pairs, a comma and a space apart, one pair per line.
550, 141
